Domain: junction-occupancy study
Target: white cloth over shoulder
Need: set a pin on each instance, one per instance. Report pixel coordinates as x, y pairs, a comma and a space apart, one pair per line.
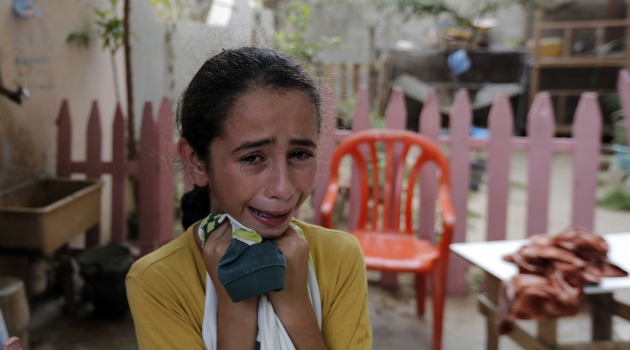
271, 333
4, 333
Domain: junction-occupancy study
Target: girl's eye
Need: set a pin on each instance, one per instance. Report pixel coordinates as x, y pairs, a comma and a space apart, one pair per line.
301, 155
252, 159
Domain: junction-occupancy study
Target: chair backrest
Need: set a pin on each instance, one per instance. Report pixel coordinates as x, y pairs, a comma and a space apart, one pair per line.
389, 164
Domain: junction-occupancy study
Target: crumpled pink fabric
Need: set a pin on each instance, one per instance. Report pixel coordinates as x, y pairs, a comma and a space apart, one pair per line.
552, 273
12, 343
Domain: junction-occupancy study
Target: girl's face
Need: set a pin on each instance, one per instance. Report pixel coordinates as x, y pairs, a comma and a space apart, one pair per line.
264, 167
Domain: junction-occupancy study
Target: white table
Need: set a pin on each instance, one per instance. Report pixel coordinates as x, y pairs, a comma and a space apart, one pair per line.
489, 257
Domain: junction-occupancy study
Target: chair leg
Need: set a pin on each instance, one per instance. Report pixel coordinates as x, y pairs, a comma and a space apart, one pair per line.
420, 293
438, 295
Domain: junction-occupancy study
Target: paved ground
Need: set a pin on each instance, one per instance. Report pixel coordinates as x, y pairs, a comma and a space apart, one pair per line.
393, 312
396, 326
394, 322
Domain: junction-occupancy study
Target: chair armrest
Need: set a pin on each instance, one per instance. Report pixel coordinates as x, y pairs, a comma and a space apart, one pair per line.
328, 203
447, 212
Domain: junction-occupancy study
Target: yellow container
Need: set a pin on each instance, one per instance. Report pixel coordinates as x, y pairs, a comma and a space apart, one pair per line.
550, 47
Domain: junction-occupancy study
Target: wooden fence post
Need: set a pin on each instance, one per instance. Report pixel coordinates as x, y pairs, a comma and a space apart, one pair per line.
119, 173
64, 140
430, 120
460, 122
396, 112
501, 121
165, 200
147, 218
93, 163
587, 128
540, 131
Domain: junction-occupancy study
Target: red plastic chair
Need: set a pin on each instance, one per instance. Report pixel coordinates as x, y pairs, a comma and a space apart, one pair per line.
385, 227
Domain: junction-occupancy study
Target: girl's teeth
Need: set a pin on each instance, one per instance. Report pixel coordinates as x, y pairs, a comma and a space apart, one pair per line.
258, 212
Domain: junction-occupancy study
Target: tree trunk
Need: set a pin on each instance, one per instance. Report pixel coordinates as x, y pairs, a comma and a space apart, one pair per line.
131, 139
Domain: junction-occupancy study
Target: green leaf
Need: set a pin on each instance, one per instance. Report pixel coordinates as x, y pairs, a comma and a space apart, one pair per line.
110, 27
293, 38
80, 38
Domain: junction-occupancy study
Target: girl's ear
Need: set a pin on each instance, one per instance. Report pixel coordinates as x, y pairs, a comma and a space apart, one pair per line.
194, 165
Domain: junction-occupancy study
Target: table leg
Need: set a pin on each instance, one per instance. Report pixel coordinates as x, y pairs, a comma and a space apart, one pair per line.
492, 337
547, 331
601, 315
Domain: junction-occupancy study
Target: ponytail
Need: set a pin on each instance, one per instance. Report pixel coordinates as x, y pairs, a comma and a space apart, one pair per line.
195, 205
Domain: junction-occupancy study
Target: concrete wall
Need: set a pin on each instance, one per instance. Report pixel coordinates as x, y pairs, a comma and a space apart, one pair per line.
35, 51
164, 58
165, 55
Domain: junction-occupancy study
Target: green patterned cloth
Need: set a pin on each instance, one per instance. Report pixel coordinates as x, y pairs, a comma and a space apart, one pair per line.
250, 266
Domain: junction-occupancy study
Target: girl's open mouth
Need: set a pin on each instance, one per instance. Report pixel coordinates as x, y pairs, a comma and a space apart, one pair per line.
262, 213
271, 219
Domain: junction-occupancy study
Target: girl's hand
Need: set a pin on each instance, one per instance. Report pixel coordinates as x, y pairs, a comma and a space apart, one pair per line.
217, 243
292, 304
12, 343
295, 249
237, 323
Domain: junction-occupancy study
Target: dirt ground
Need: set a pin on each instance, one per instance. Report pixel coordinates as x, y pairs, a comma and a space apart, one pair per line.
392, 312
394, 322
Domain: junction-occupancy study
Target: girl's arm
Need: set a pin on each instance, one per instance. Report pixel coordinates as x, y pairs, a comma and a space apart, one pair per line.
162, 310
346, 321
237, 323
293, 305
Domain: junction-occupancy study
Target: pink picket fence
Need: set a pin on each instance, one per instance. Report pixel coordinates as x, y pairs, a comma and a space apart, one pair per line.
154, 174
151, 170
540, 144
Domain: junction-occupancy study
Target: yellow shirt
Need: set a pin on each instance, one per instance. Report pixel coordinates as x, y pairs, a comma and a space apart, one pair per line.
166, 292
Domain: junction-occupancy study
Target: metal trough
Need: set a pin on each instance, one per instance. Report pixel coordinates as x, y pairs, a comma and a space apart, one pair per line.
45, 214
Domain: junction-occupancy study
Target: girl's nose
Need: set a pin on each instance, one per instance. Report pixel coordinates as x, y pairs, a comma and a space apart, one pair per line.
280, 182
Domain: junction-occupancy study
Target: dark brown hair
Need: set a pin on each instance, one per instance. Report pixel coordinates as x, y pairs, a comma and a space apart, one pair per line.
211, 95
